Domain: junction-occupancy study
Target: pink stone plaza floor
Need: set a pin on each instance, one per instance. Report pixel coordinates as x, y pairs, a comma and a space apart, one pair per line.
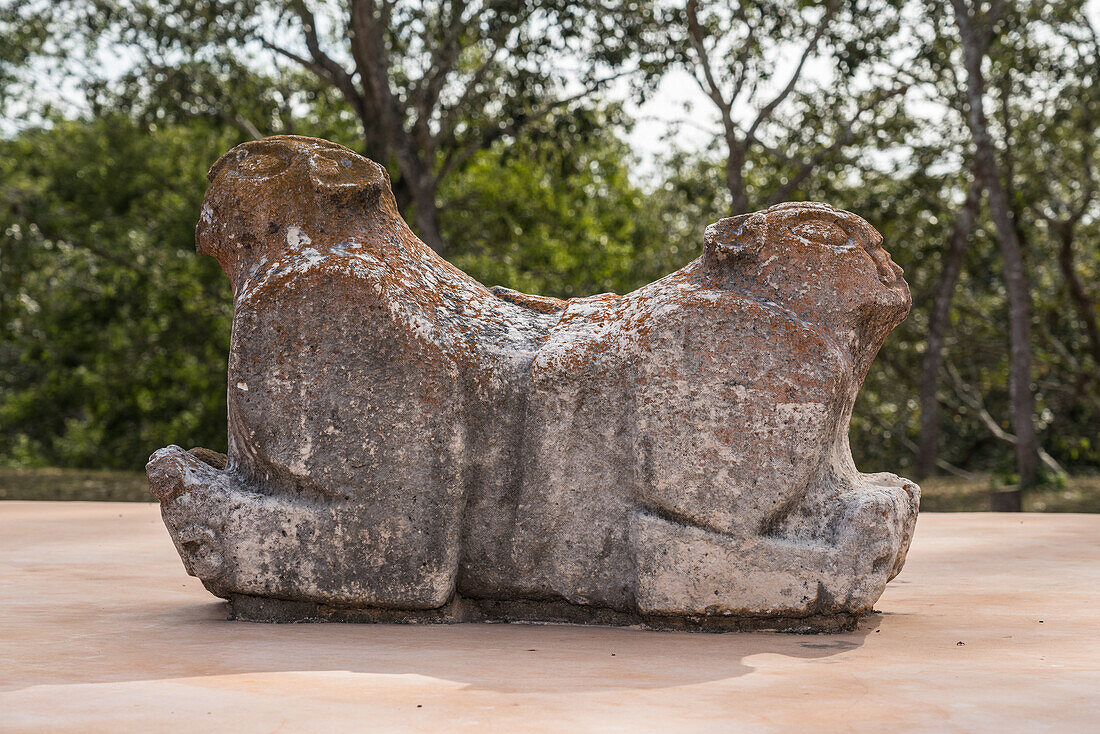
994, 625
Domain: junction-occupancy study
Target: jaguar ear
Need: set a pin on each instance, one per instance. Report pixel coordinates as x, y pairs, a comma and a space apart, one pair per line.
734, 237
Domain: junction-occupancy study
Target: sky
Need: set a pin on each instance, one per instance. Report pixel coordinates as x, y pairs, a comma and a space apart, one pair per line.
677, 113
679, 103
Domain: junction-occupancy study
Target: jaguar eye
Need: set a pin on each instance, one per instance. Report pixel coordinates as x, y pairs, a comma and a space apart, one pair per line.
335, 164
254, 165
336, 170
824, 232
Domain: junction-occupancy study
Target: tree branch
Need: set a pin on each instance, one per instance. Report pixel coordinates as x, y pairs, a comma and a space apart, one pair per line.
449, 118
908, 443
442, 60
846, 134
967, 396
372, 63
333, 72
991, 18
460, 155
743, 56
765, 112
696, 34
242, 123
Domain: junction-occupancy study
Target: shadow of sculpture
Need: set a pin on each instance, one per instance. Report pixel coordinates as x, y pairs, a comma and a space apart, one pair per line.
195, 641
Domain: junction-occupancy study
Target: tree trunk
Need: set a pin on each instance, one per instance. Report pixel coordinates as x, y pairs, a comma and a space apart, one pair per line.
938, 319
371, 56
735, 180
420, 184
1082, 303
1015, 273
426, 220
1019, 315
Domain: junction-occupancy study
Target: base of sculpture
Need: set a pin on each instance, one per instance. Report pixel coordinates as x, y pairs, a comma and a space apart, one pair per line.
246, 608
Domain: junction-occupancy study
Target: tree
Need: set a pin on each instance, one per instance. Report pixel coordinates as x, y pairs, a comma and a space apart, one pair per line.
736, 53
1062, 152
114, 333
1028, 73
430, 84
976, 31
938, 322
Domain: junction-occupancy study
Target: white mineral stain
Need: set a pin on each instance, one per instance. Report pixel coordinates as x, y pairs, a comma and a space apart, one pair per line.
296, 238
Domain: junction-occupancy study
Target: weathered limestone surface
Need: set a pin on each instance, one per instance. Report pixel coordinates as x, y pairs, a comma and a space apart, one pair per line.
406, 444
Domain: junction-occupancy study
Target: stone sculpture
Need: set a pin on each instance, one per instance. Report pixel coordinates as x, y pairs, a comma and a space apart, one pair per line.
406, 444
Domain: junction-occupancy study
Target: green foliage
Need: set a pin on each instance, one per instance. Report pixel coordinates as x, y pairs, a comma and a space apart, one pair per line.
114, 333
555, 213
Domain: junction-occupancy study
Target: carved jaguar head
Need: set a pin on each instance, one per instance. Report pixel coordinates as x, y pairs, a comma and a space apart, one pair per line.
266, 192
824, 264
